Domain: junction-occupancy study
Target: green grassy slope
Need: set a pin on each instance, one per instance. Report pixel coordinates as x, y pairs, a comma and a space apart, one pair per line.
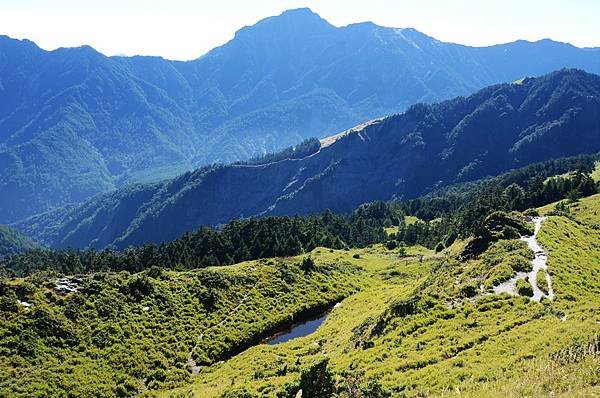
421, 323
127, 333
574, 254
261, 368
415, 331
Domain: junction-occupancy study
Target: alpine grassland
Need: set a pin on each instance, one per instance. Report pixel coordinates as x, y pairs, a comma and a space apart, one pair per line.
123, 333
430, 325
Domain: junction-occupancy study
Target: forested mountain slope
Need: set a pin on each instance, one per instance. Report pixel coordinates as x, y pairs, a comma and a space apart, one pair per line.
12, 242
406, 155
74, 123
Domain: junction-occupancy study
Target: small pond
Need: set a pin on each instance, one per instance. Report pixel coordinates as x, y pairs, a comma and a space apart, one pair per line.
300, 329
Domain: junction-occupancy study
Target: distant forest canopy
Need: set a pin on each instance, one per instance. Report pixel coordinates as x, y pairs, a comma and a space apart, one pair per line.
12, 242
447, 214
305, 148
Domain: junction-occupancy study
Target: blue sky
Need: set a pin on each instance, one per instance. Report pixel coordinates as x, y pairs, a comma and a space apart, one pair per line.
185, 29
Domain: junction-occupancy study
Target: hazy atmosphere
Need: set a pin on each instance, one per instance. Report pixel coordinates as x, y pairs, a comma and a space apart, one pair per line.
185, 29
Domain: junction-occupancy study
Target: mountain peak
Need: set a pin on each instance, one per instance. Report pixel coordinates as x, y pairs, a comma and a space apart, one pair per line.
302, 20
85, 51
300, 12
366, 25
298, 16
7, 41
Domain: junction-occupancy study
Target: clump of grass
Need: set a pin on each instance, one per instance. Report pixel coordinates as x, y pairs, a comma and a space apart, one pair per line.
524, 287
500, 273
531, 213
469, 289
520, 263
579, 351
542, 283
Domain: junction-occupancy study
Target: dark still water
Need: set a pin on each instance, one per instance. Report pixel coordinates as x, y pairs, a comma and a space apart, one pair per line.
297, 330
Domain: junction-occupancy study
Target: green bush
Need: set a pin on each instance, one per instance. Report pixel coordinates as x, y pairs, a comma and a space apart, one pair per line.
470, 289
138, 287
519, 263
500, 273
524, 288
509, 232
237, 393
317, 381
373, 389
391, 244
308, 264
8, 303
532, 212
542, 283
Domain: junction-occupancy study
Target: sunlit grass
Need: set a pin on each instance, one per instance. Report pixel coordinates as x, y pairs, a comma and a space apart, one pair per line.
487, 346
449, 343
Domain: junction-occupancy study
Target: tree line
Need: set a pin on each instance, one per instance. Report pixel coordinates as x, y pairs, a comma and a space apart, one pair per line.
444, 215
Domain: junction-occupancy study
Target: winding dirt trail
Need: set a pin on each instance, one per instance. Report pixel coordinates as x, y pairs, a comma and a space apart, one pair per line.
540, 262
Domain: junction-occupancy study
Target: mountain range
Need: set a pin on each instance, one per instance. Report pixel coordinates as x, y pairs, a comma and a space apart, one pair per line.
402, 156
75, 123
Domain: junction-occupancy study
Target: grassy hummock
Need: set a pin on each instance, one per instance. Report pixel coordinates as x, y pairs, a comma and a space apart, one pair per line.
524, 288
541, 281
